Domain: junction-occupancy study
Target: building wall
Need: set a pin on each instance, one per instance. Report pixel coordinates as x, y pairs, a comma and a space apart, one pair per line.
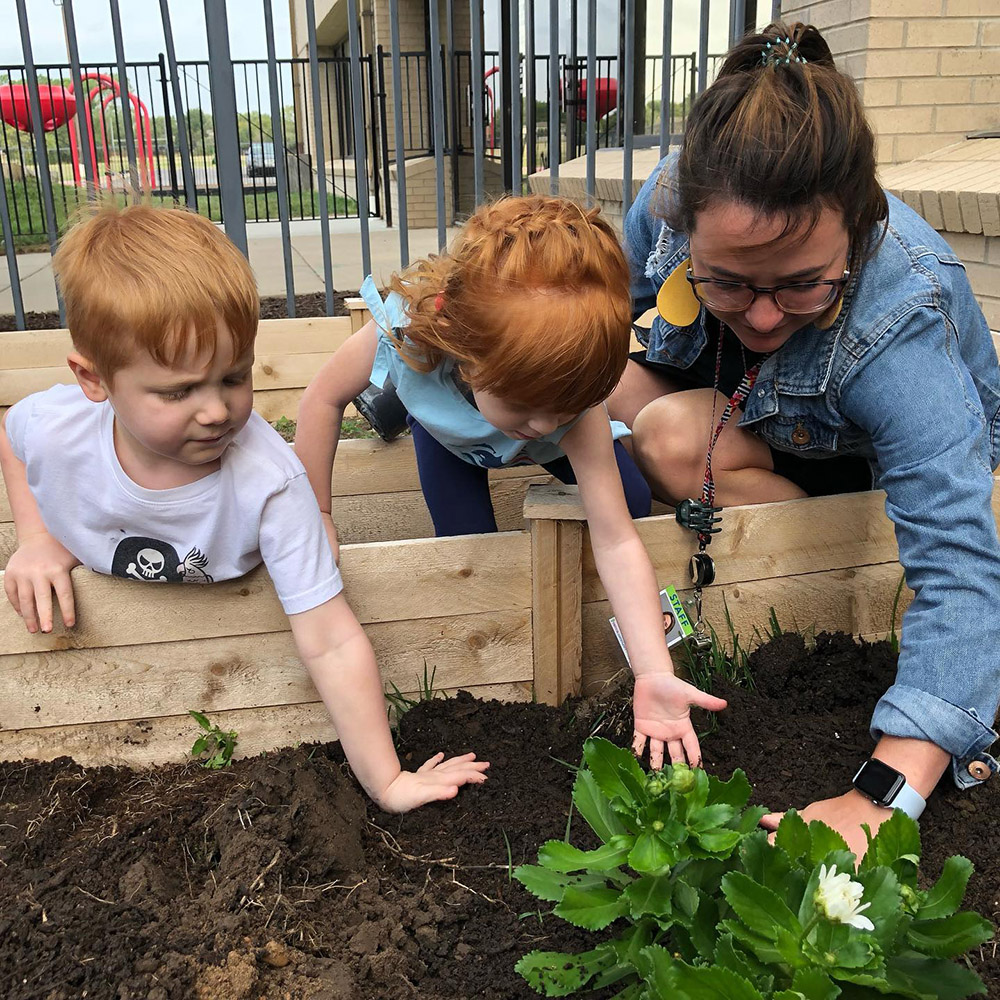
928, 70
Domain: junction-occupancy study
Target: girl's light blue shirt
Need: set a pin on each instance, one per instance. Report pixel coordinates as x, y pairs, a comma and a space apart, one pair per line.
437, 403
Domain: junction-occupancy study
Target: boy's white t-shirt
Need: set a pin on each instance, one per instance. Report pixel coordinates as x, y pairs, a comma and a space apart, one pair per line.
258, 507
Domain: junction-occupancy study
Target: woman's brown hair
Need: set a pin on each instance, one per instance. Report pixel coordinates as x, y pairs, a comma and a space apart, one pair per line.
531, 301
784, 132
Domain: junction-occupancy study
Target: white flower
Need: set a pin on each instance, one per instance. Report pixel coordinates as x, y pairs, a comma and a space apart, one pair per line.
838, 898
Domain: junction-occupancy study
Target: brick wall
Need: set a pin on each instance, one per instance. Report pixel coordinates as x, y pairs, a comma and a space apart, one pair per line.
928, 70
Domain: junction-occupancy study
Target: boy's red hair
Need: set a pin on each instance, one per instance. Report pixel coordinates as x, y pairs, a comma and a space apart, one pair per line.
532, 301
152, 279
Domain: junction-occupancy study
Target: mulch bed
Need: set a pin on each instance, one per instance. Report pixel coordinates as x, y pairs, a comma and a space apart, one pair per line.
273, 307
278, 880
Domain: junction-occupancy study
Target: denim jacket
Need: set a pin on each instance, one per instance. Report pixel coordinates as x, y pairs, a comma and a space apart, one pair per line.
906, 376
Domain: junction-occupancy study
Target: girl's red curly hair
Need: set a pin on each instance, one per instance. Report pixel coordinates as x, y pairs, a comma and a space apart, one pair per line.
532, 301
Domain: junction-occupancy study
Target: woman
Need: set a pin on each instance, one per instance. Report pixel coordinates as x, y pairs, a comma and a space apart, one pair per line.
841, 327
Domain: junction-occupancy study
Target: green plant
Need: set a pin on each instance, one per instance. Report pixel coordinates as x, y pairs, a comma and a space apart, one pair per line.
401, 703
218, 743
710, 910
286, 428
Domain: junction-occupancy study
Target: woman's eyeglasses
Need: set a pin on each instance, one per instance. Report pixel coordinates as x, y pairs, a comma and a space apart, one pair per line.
797, 298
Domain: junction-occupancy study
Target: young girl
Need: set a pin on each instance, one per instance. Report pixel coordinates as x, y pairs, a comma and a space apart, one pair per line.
503, 351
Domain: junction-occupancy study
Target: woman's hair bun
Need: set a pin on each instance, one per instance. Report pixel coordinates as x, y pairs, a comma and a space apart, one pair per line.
778, 45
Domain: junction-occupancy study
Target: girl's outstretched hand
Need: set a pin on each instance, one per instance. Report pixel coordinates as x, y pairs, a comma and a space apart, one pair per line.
661, 705
434, 780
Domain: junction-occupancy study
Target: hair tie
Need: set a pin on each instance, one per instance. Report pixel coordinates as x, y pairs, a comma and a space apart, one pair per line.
439, 302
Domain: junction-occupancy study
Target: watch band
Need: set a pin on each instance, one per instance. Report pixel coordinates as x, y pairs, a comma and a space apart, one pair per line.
909, 801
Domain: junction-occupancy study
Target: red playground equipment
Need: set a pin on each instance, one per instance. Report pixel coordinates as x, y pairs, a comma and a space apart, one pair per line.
58, 107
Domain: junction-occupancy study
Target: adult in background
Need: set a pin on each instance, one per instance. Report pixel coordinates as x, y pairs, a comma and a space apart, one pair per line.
843, 331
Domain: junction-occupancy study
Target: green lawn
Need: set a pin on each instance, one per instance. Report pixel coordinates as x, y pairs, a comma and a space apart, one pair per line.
27, 217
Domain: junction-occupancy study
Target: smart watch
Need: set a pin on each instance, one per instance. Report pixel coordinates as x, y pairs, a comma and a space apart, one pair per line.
887, 787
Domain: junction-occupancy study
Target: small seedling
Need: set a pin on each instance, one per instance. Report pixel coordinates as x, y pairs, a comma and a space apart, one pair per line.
218, 743
285, 427
401, 703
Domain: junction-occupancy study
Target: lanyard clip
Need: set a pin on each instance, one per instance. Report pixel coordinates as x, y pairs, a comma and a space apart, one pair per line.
699, 516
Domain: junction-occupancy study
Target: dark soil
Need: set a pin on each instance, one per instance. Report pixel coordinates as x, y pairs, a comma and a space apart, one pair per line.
278, 880
272, 307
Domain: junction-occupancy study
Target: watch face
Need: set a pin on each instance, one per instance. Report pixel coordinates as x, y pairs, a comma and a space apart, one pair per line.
878, 781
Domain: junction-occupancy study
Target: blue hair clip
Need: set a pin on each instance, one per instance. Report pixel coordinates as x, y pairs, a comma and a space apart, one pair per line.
771, 56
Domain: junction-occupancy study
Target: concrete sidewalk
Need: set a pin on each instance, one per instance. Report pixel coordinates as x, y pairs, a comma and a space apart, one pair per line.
264, 240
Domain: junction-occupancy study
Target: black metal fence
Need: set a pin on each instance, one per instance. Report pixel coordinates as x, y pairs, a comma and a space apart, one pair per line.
157, 120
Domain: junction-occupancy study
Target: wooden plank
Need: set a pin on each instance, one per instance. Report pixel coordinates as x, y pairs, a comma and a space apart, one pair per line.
381, 517
149, 680
143, 742
374, 466
48, 348
768, 540
272, 404
385, 581
854, 600
556, 554
358, 312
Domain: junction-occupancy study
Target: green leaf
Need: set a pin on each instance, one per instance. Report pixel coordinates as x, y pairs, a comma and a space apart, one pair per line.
549, 885
824, 840
946, 895
559, 856
750, 820
591, 908
200, 746
735, 792
606, 763
896, 845
949, 937
650, 894
651, 856
814, 984
730, 958
765, 950
855, 953
594, 807
793, 836
703, 927
765, 864
886, 906
709, 817
719, 841
933, 977
758, 907
558, 974
201, 719
669, 978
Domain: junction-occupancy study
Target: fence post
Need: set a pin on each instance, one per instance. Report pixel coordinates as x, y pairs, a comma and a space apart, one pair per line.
555, 519
227, 140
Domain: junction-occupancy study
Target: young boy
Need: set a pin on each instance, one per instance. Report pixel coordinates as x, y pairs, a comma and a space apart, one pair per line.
154, 467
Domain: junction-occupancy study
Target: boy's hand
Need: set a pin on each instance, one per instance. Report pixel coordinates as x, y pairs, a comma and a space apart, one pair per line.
662, 708
331, 534
434, 780
39, 566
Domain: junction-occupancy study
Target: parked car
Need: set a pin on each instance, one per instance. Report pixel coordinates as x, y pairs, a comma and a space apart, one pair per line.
260, 159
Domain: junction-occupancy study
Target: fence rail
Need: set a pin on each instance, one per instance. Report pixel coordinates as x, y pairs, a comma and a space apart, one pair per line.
324, 136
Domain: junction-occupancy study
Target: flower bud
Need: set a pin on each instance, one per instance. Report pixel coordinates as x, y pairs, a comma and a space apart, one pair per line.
682, 779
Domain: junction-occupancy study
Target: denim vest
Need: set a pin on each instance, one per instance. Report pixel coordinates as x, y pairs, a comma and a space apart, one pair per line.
907, 376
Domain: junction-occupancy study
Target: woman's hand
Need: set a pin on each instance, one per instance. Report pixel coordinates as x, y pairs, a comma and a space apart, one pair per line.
845, 814
662, 708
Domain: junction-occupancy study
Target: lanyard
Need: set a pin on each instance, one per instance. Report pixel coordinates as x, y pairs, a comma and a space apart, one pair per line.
736, 399
702, 565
